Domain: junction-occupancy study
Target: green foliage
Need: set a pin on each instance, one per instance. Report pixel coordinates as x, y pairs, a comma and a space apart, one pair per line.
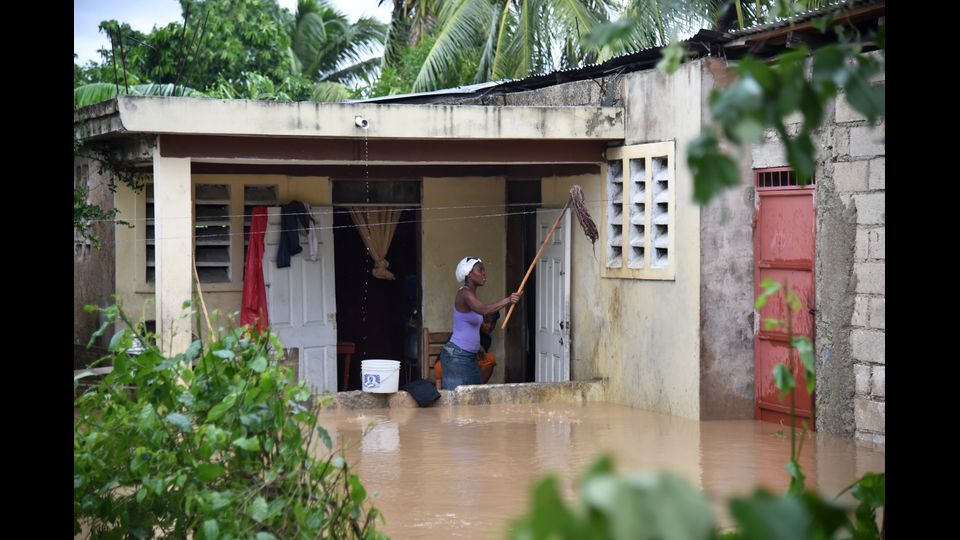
665, 506
217, 442
89, 94
399, 78
510, 39
236, 49
325, 46
85, 215
643, 506
766, 94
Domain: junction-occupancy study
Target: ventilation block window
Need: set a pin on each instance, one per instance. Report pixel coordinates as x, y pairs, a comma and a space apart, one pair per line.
637, 233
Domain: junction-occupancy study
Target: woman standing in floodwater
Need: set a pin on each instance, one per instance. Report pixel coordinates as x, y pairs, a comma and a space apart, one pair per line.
458, 359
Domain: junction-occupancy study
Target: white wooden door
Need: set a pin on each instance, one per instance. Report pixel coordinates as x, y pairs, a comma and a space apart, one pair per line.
301, 300
553, 299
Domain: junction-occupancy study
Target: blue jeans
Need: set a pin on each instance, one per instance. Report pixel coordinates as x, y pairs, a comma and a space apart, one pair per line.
459, 367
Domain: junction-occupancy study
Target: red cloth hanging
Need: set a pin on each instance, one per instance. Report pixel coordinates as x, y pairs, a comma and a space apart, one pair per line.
253, 309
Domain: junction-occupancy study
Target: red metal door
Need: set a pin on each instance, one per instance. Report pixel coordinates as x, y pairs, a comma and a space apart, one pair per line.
784, 250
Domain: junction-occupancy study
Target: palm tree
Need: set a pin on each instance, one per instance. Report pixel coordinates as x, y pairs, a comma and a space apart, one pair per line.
325, 47
514, 38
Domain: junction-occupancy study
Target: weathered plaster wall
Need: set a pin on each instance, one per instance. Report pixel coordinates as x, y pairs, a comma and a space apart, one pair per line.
131, 282
850, 270
649, 344
93, 270
450, 233
726, 287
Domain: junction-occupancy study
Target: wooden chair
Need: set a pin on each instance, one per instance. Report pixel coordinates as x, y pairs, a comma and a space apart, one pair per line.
346, 349
431, 346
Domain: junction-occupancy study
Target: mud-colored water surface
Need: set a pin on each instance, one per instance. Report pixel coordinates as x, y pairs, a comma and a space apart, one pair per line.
467, 471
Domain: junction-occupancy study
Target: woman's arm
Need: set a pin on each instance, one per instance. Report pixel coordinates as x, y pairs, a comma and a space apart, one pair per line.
474, 303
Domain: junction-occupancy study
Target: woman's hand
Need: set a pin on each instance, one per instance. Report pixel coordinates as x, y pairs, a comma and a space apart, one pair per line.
515, 297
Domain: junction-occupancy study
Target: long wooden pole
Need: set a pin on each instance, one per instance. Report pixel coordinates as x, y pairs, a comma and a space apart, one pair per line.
536, 258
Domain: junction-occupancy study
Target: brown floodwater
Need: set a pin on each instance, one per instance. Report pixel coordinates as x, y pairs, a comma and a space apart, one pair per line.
467, 471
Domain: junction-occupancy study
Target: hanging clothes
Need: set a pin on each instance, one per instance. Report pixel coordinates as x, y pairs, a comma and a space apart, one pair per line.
293, 217
253, 308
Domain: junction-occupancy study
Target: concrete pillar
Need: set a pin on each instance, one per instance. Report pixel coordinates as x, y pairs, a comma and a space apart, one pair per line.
173, 218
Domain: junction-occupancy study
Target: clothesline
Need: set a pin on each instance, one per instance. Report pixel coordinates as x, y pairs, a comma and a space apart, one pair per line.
344, 208
351, 226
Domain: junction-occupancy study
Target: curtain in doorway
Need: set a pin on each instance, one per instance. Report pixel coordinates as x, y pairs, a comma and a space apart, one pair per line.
376, 226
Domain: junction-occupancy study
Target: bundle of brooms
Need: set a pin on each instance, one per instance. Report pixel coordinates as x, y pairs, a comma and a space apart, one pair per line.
586, 222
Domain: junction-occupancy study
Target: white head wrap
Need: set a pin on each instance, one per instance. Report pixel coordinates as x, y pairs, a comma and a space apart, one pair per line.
464, 267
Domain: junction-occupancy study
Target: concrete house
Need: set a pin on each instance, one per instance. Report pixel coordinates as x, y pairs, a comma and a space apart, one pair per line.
661, 306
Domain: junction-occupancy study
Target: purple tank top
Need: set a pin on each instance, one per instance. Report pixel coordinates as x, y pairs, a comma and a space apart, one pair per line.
466, 330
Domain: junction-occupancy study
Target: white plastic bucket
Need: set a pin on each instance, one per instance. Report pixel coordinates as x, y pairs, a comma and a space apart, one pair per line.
379, 376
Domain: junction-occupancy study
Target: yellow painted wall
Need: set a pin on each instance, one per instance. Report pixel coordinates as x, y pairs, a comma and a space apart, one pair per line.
450, 234
131, 283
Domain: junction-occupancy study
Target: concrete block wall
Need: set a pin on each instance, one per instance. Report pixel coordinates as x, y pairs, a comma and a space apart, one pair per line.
859, 174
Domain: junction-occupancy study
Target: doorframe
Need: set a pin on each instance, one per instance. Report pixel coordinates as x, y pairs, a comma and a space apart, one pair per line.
784, 186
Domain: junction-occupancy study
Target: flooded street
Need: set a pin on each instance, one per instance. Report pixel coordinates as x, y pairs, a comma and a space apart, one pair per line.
467, 471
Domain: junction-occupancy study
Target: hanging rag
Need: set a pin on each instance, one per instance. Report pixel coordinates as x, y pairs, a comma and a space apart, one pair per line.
253, 309
293, 218
376, 227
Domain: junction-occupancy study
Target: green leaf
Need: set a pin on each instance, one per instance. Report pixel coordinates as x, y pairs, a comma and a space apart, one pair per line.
672, 57
801, 155
867, 99
186, 398
793, 301
251, 444
768, 288
265, 536
118, 340
763, 516
259, 364
712, 171
208, 472
258, 510
798, 479
357, 491
758, 71
325, 437
783, 379
225, 354
193, 350
770, 324
141, 494
827, 61
610, 32
211, 530
221, 408
871, 489
805, 349
179, 421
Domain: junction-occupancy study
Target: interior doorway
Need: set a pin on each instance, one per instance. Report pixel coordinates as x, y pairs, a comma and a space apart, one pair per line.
374, 313
523, 198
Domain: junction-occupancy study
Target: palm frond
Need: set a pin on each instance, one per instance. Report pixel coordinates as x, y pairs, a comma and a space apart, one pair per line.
353, 73
330, 92
89, 94
460, 21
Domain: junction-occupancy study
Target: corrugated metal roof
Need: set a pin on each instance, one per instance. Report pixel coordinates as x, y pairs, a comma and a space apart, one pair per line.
465, 89
802, 17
